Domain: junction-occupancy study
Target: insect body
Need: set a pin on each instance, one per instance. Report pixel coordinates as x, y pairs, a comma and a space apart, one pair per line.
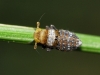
40, 35
54, 38
67, 40
52, 34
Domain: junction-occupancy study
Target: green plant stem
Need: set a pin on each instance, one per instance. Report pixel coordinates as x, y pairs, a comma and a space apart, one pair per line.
22, 34
16, 33
90, 43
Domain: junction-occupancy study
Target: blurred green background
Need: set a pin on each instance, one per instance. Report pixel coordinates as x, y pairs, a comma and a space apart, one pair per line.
82, 16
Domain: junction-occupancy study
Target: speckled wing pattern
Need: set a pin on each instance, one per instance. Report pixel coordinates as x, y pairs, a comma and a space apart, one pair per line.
61, 39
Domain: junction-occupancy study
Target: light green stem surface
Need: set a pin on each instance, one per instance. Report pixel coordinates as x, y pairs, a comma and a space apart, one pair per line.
90, 43
22, 34
16, 33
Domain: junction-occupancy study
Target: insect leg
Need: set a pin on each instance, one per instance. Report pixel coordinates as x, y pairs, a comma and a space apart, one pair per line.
47, 27
48, 49
38, 24
53, 27
36, 35
35, 46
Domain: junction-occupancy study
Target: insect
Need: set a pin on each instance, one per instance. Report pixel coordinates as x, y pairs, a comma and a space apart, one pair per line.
51, 37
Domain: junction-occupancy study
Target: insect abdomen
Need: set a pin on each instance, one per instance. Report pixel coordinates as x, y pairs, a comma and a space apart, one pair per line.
67, 40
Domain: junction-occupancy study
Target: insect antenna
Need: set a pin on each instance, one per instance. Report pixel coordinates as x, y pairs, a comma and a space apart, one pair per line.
41, 17
37, 51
